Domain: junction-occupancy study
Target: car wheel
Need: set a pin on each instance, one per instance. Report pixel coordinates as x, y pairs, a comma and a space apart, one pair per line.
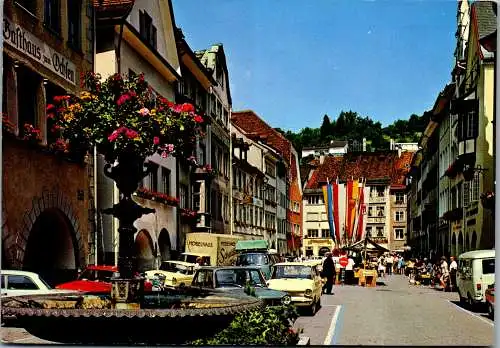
318, 304
470, 302
312, 309
490, 311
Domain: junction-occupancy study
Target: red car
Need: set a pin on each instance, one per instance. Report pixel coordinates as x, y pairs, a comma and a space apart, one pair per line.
96, 279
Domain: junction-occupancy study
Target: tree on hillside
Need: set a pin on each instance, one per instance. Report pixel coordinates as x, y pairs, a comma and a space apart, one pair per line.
326, 127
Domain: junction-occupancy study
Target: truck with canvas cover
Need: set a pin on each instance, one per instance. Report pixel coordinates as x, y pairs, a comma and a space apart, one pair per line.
256, 253
214, 249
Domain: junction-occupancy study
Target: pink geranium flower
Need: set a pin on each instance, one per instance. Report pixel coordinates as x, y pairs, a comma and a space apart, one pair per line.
131, 134
186, 107
144, 111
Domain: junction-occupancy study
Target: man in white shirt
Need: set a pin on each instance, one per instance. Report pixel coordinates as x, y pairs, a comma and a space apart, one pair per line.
389, 260
453, 273
349, 271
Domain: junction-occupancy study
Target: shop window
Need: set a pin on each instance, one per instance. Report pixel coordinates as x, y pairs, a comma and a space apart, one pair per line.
153, 177
183, 196
165, 180
400, 216
399, 233
196, 196
27, 85
74, 23
147, 29
52, 15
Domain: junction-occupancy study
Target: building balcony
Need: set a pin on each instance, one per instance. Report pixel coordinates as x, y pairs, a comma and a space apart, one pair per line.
159, 197
377, 199
376, 219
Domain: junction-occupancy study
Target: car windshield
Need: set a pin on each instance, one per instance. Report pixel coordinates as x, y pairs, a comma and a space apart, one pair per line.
292, 271
99, 275
488, 266
252, 259
238, 278
176, 268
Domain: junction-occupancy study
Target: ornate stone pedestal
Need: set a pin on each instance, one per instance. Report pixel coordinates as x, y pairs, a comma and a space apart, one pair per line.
127, 293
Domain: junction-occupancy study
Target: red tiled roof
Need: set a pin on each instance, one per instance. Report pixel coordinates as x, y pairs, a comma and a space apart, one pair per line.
371, 166
253, 124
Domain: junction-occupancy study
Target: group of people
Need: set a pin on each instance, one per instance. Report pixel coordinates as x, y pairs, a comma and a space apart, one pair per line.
440, 271
390, 263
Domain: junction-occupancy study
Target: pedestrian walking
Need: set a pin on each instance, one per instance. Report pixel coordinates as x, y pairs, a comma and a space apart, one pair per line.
349, 271
445, 275
328, 272
401, 266
381, 266
389, 260
453, 273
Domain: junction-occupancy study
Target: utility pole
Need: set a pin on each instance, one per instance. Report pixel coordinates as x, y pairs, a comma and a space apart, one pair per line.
231, 217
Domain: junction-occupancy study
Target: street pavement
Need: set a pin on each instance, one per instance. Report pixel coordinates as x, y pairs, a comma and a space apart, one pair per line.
395, 313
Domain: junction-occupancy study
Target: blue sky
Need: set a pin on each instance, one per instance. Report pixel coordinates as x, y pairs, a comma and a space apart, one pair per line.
292, 61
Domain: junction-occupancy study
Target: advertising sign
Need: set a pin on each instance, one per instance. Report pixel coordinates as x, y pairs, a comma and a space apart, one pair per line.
22, 40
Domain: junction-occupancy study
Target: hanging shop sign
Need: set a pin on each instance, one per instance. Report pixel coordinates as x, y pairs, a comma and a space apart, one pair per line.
24, 41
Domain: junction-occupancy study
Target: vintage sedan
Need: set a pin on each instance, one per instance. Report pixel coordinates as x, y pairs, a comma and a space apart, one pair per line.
301, 280
95, 279
489, 295
236, 279
20, 283
175, 273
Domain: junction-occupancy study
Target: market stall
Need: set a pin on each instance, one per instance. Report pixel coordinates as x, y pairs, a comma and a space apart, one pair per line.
367, 273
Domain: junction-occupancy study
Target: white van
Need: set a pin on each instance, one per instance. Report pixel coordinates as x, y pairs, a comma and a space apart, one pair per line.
476, 270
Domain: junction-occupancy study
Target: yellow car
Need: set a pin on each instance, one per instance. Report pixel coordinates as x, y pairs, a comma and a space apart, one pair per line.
175, 273
302, 282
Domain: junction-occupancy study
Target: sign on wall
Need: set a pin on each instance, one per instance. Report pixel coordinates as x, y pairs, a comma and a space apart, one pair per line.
24, 41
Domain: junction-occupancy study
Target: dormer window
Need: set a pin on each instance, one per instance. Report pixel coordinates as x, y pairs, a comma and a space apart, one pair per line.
147, 29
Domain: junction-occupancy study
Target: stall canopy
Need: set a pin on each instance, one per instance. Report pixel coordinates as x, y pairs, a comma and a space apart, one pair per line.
252, 245
370, 246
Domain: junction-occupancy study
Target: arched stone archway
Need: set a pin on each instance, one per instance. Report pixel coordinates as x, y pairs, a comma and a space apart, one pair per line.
144, 251
473, 242
467, 242
164, 245
454, 245
460, 243
50, 249
51, 203
322, 251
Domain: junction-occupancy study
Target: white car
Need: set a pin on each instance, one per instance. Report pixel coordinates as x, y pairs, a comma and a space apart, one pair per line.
19, 283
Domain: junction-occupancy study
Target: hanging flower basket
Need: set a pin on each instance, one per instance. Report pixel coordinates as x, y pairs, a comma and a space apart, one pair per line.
121, 115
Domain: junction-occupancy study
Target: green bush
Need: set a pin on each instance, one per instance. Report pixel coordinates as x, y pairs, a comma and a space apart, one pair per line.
268, 326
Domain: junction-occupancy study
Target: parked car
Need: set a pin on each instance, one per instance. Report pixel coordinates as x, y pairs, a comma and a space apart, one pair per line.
235, 279
95, 278
489, 294
476, 271
19, 283
301, 280
175, 273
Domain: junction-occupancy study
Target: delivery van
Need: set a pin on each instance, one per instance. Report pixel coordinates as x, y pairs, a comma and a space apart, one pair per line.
476, 271
214, 249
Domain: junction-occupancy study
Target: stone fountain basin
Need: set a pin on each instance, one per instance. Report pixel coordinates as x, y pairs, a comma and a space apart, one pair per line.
164, 318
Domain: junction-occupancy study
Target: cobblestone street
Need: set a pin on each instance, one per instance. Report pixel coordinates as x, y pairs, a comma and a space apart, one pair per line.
395, 313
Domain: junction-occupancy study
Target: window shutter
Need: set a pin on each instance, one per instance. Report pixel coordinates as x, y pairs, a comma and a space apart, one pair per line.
142, 24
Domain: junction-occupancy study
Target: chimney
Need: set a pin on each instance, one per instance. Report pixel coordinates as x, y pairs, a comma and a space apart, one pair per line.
364, 144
